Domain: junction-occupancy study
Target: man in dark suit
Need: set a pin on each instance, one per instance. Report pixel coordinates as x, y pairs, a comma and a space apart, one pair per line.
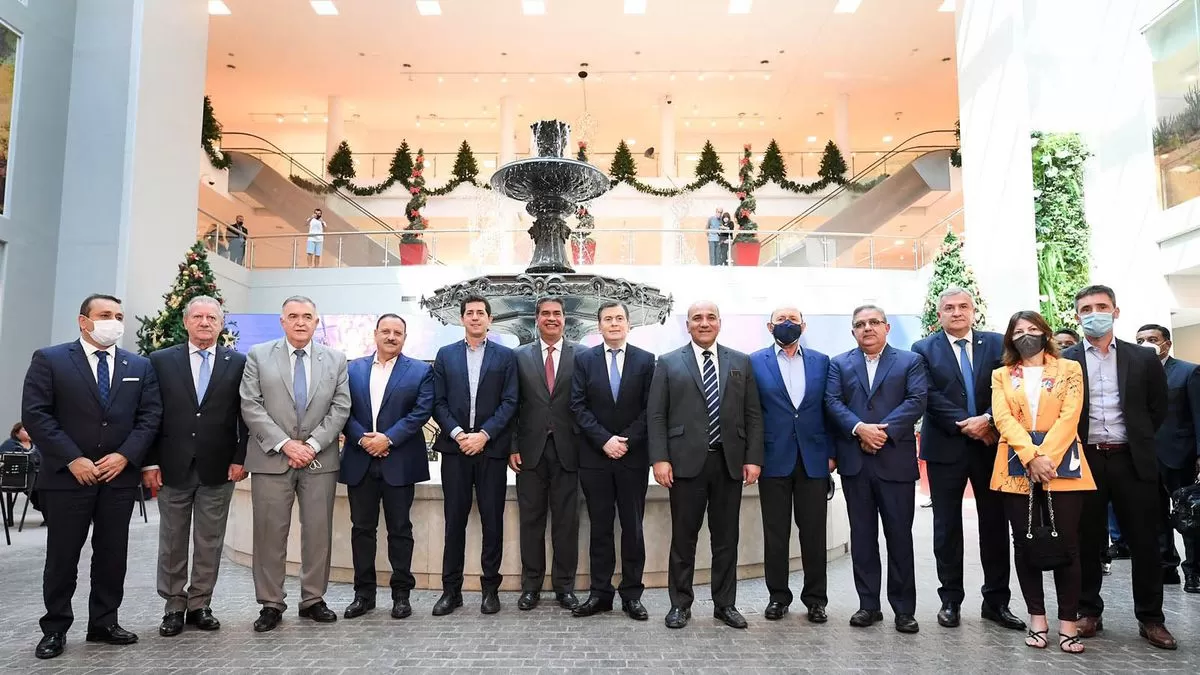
798, 459
1176, 443
93, 409
1126, 402
196, 460
474, 402
875, 395
384, 457
958, 444
545, 458
706, 442
609, 395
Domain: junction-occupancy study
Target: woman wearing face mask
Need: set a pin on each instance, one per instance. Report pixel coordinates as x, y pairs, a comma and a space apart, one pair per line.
1036, 401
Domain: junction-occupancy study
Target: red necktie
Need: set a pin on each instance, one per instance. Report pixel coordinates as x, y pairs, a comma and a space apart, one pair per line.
550, 368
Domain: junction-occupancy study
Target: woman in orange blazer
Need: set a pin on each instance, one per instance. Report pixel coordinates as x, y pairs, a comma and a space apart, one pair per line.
1035, 391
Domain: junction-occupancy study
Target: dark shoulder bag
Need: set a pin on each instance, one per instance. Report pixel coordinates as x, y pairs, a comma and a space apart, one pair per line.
1044, 548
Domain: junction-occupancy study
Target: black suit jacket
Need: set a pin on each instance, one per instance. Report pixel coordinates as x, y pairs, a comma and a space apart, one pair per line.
942, 442
677, 416
1142, 384
209, 434
61, 411
1176, 439
599, 417
540, 412
495, 397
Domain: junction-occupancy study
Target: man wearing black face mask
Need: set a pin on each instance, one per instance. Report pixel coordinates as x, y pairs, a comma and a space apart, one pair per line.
799, 457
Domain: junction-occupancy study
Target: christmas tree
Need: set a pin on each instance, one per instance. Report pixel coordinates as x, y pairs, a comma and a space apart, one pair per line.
402, 164
341, 165
773, 168
951, 269
623, 167
416, 187
833, 165
710, 165
465, 169
747, 205
166, 329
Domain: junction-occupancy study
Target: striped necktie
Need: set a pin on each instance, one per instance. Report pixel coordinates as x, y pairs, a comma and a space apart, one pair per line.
712, 398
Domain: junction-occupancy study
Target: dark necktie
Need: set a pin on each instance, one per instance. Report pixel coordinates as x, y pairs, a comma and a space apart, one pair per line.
550, 368
300, 386
102, 379
964, 364
713, 399
204, 376
614, 374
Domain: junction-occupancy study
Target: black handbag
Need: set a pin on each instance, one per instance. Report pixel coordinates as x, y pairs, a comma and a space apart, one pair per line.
1185, 510
1045, 549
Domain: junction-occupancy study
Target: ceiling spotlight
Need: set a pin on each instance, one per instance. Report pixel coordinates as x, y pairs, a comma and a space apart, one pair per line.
672, 77
887, 139
767, 76
533, 7
846, 6
739, 6
467, 124
532, 78
218, 8
741, 124
812, 139
687, 123
712, 123
327, 119
700, 77
429, 7
504, 80
762, 123
632, 77
418, 122
441, 79
635, 6
324, 7
305, 120
568, 79
475, 79
279, 119
731, 77
947, 6
631, 141
441, 124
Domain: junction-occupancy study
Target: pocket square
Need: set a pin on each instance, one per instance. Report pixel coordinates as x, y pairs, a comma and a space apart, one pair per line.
131, 379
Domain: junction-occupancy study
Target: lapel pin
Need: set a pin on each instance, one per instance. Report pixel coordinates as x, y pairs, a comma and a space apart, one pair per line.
226, 357
124, 362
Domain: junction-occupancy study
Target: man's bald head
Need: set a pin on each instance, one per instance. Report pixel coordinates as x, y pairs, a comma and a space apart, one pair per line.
703, 305
704, 322
781, 314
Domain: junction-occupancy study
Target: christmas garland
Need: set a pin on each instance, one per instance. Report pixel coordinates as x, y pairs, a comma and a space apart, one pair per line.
210, 136
748, 204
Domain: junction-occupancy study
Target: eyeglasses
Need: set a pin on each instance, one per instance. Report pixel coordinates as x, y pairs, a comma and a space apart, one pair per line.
873, 323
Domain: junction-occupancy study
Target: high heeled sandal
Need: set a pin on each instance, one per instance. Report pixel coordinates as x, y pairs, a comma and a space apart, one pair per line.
1065, 641
1039, 636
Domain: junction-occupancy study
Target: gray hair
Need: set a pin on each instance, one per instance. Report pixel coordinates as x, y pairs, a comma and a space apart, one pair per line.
952, 291
867, 308
299, 298
203, 300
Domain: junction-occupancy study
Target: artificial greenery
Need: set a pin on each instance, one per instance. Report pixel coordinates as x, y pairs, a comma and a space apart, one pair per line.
585, 225
623, 168
402, 164
1062, 233
210, 138
709, 165
416, 187
582, 154
950, 269
341, 164
746, 205
833, 165
166, 328
465, 167
956, 153
773, 167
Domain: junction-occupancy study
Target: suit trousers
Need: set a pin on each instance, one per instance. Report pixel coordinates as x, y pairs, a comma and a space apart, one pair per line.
801, 497
549, 487
364, 525
722, 496
272, 496
616, 492
202, 512
1135, 502
947, 482
1172, 480
1067, 509
488, 477
69, 514
870, 499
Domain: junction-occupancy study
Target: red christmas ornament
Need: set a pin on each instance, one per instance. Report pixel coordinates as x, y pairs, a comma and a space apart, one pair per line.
745, 213
741, 195
414, 189
414, 213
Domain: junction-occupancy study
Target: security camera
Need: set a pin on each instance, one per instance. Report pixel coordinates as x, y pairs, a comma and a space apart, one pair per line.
670, 100
211, 181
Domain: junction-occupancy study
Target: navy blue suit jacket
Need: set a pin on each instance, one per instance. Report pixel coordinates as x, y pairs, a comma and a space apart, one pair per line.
599, 417
1176, 438
789, 432
495, 398
406, 407
896, 399
61, 411
942, 442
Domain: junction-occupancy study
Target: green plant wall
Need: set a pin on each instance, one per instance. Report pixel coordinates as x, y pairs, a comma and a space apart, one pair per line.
1063, 236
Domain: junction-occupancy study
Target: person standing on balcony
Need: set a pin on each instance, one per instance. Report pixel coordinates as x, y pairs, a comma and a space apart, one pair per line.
728, 233
235, 236
316, 238
716, 251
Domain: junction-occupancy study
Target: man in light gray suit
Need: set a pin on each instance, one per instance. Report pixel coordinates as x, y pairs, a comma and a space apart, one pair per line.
295, 400
706, 442
546, 459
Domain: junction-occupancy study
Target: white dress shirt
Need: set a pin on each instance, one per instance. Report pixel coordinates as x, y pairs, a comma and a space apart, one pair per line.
970, 338
872, 363
609, 357
1032, 382
308, 368
557, 354
194, 360
381, 372
1106, 417
474, 375
699, 352
792, 370
89, 350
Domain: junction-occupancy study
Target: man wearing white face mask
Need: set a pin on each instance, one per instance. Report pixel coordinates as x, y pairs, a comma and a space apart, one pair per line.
93, 409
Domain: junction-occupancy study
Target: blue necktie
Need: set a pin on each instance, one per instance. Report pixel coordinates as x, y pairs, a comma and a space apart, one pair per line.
713, 399
205, 375
102, 379
964, 364
300, 386
614, 375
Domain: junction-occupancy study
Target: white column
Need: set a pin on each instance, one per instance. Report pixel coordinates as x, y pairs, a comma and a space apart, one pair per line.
508, 138
841, 125
130, 181
670, 239
666, 140
335, 129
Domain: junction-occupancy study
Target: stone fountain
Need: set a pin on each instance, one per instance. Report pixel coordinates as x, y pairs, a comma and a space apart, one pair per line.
552, 186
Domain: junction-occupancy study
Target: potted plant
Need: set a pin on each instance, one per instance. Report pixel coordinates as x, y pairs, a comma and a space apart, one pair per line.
412, 244
583, 247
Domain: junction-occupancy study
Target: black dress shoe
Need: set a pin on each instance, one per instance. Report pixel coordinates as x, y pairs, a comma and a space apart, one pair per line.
816, 614
447, 604
1118, 552
491, 602
359, 607
112, 635
528, 600
401, 609
865, 617
567, 600
906, 623
729, 616
1191, 583
51, 645
203, 619
635, 610
775, 611
948, 616
678, 618
1171, 577
1001, 616
268, 619
319, 612
172, 624
593, 605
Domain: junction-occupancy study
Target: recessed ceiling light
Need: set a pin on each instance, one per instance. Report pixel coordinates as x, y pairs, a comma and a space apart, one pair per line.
324, 7
846, 6
633, 77
671, 77
441, 79
766, 76
327, 119
741, 124
761, 123
418, 122
898, 242
887, 139
947, 6
429, 7
631, 141
812, 139
635, 6
475, 79
218, 8
739, 6
533, 7
712, 123
731, 77
504, 80
279, 119
569, 80
700, 77
532, 78
687, 123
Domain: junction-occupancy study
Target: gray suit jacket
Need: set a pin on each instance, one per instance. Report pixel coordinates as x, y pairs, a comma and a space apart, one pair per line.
540, 412
677, 416
269, 409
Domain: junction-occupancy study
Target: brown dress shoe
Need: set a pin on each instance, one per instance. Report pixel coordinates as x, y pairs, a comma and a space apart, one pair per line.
1089, 625
1157, 635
